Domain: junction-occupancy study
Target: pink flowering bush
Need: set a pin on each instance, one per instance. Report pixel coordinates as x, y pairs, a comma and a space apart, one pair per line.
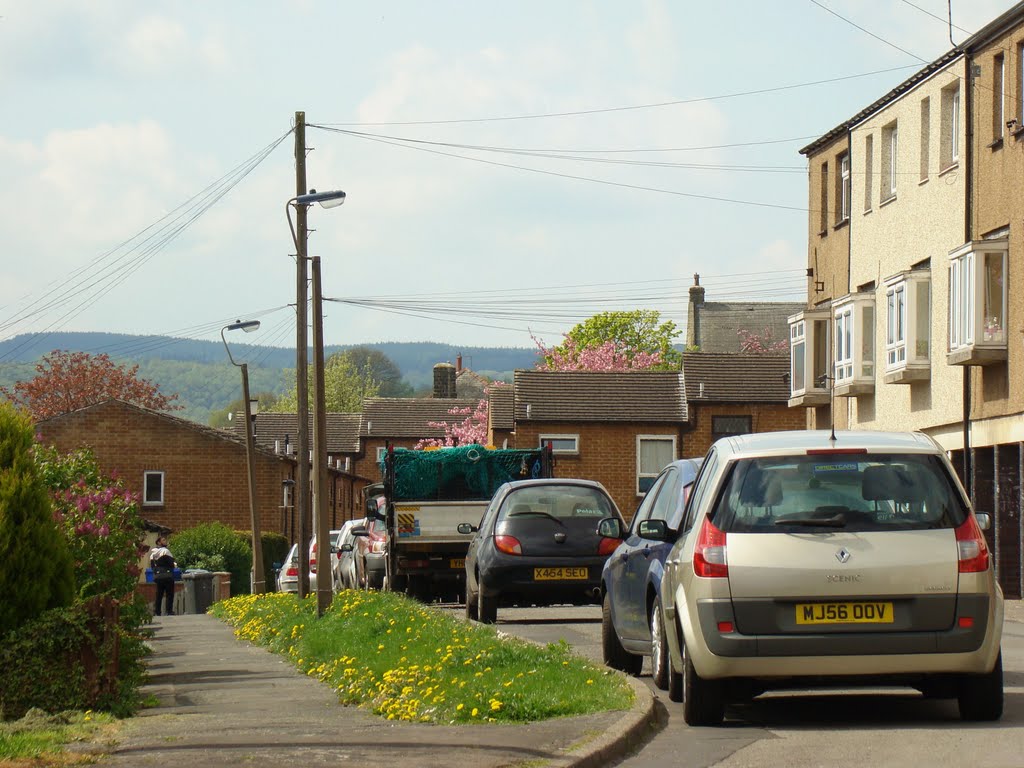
100, 520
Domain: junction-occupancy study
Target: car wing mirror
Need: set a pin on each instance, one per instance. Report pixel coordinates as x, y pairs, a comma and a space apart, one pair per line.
345, 548
611, 528
467, 528
656, 530
984, 520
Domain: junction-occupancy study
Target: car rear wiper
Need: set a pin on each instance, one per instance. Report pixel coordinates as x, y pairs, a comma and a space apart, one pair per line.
836, 521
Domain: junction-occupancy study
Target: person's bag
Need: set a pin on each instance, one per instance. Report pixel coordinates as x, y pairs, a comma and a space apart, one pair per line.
162, 572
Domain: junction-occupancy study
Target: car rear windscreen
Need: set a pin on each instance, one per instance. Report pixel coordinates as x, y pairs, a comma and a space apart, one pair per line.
851, 492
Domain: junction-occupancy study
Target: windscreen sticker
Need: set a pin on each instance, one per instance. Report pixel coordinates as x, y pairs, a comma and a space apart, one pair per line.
821, 469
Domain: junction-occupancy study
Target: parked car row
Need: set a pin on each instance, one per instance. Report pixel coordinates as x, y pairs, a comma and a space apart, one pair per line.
798, 559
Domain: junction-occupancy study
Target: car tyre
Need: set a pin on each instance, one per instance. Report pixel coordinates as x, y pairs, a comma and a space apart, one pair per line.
981, 696
659, 648
615, 656
471, 605
703, 700
486, 605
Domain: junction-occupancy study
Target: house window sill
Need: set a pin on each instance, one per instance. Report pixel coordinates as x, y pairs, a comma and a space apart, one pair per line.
891, 198
949, 168
996, 144
922, 182
1018, 132
854, 389
841, 223
976, 356
907, 375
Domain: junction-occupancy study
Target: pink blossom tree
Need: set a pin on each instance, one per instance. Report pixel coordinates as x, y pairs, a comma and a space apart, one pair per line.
609, 356
763, 343
472, 429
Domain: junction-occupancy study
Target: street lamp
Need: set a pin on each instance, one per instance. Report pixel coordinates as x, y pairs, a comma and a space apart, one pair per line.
330, 199
257, 580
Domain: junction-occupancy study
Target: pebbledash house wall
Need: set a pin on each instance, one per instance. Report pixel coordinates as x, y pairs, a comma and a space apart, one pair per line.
205, 476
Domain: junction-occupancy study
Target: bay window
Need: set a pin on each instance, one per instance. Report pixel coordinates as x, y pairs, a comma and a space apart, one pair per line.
908, 326
809, 357
854, 340
977, 302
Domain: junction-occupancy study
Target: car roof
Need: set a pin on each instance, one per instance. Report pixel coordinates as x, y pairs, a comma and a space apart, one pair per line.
533, 483
787, 443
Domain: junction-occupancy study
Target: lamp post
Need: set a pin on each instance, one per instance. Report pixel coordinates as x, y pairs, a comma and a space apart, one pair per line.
258, 582
324, 591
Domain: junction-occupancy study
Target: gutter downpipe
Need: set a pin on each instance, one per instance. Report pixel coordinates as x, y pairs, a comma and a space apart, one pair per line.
968, 462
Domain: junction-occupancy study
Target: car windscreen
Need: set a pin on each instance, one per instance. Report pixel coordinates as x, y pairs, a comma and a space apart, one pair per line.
847, 491
567, 503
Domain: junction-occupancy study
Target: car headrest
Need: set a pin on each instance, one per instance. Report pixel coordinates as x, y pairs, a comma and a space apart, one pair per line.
760, 489
891, 484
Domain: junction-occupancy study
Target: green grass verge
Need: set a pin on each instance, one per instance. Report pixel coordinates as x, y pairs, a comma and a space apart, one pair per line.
406, 661
39, 738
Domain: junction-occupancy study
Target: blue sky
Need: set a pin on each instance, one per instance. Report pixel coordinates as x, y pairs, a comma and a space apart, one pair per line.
119, 112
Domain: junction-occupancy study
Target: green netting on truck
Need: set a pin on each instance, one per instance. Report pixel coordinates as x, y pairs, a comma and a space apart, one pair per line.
464, 473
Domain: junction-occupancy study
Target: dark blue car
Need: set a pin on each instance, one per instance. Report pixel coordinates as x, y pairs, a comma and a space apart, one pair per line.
631, 579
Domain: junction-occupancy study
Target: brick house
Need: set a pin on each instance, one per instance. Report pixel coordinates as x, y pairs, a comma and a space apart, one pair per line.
277, 432
619, 428
185, 473
733, 394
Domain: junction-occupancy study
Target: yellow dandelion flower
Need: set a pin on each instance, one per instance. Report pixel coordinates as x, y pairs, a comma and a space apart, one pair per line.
475, 712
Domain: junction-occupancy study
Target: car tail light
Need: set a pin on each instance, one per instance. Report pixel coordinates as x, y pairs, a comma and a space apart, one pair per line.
292, 571
508, 544
607, 546
709, 560
971, 547
312, 565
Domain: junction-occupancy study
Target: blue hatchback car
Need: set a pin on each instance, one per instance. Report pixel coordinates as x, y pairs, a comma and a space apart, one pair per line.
631, 579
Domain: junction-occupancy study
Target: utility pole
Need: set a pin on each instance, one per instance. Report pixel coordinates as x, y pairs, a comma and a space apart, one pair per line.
324, 586
259, 584
301, 344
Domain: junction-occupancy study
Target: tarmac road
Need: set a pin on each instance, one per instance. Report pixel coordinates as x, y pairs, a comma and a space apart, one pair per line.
878, 728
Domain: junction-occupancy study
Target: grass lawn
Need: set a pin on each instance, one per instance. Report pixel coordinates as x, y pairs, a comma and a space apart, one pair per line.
406, 661
39, 739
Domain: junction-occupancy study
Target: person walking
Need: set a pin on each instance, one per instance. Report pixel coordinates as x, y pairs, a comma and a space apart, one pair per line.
162, 562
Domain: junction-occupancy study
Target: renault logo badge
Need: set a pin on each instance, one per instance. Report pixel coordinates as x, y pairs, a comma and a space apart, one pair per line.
843, 555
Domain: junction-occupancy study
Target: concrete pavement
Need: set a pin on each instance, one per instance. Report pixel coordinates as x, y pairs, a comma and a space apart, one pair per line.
224, 703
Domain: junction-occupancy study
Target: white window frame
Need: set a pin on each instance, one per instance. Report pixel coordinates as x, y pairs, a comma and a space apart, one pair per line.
805, 347
146, 500
999, 95
954, 126
381, 452
853, 339
640, 440
896, 326
972, 324
845, 188
573, 451
908, 332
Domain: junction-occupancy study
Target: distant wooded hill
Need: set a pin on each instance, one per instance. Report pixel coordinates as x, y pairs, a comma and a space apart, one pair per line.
205, 381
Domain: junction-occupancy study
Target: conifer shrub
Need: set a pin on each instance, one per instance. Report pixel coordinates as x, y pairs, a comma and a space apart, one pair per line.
35, 566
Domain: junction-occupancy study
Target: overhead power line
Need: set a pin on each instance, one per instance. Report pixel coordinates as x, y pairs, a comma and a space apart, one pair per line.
575, 177
86, 285
607, 110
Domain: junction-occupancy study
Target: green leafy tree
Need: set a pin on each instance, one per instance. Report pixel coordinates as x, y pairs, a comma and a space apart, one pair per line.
380, 368
345, 386
640, 331
35, 566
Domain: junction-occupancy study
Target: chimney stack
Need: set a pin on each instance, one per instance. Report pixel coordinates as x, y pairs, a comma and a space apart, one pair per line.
444, 381
693, 339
